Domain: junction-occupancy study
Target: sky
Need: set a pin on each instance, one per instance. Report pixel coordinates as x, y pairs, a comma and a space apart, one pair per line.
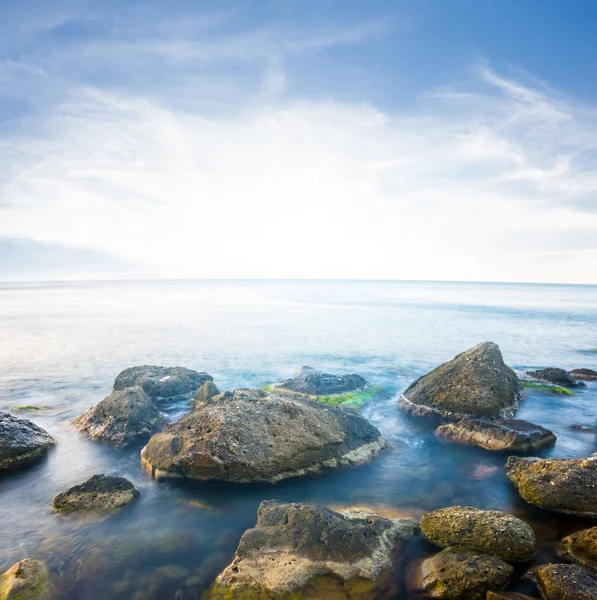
395, 139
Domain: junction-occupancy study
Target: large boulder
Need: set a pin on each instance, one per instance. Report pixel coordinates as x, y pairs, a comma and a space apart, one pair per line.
101, 493
486, 531
558, 484
123, 418
581, 548
476, 383
566, 582
555, 376
21, 442
501, 435
302, 551
462, 574
249, 435
25, 580
311, 382
586, 374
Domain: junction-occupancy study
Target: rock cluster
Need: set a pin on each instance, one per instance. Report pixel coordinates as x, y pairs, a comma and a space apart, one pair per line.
21, 442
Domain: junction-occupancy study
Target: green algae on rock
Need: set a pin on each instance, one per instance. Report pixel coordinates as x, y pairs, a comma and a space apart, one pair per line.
566, 582
556, 376
485, 531
581, 548
300, 551
21, 442
26, 580
543, 387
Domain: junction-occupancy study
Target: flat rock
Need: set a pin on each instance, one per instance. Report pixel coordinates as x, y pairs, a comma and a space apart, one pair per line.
512, 435
21, 442
566, 582
581, 548
125, 417
555, 376
287, 437
476, 383
584, 374
162, 382
25, 580
315, 383
461, 574
302, 551
485, 531
104, 493
561, 485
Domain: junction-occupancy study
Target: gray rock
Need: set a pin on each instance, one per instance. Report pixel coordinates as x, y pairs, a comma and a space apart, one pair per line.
581, 548
500, 435
476, 383
249, 435
566, 582
124, 417
586, 374
485, 531
315, 383
162, 382
26, 580
561, 485
21, 442
104, 493
555, 376
582, 428
206, 391
309, 551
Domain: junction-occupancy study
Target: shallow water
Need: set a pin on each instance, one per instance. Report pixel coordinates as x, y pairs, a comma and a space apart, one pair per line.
61, 346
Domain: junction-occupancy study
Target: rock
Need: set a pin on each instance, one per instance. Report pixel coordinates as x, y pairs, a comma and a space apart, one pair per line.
476, 383
486, 531
25, 580
512, 435
315, 383
457, 573
507, 596
206, 391
21, 442
585, 374
581, 548
555, 376
304, 551
124, 417
566, 582
558, 484
104, 493
161, 382
582, 428
248, 435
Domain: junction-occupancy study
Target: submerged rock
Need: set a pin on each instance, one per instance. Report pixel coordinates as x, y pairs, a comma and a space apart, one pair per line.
476, 383
206, 391
581, 548
461, 574
555, 376
582, 428
104, 493
586, 374
486, 531
558, 484
512, 435
302, 551
25, 580
124, 417
315, 383
21, 442
162, 382
248, 435
566, 582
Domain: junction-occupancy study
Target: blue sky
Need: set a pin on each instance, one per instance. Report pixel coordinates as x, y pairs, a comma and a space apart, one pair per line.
423, 139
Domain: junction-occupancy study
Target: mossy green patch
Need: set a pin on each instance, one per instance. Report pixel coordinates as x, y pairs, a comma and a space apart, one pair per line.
28, 407
541, 387
268, 388
352, 399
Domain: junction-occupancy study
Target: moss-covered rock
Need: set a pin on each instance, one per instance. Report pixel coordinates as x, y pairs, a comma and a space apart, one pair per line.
581, 548
555, 376
548, 388
25, 580
486, 531
21, 442
561, 485
476, 383
566, 582
206, 391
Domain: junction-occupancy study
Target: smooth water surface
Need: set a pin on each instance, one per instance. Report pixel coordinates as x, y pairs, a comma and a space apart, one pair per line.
62, 345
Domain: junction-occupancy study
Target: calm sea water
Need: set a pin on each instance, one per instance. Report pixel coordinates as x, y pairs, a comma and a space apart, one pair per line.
61, 346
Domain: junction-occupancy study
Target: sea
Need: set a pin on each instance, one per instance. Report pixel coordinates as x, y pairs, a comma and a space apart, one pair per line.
63, 343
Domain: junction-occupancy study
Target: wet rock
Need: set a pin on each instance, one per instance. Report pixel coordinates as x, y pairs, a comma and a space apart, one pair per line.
315, 383
25, 580
555, 376
461, 574
162, 382
566, 582
512, 435
103, 493
583, 428
287, 437
486, 531
476, 383
584, 374
206, 391
561, 485
581, 548
304, 551
21, 442
124, 417
508, 596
